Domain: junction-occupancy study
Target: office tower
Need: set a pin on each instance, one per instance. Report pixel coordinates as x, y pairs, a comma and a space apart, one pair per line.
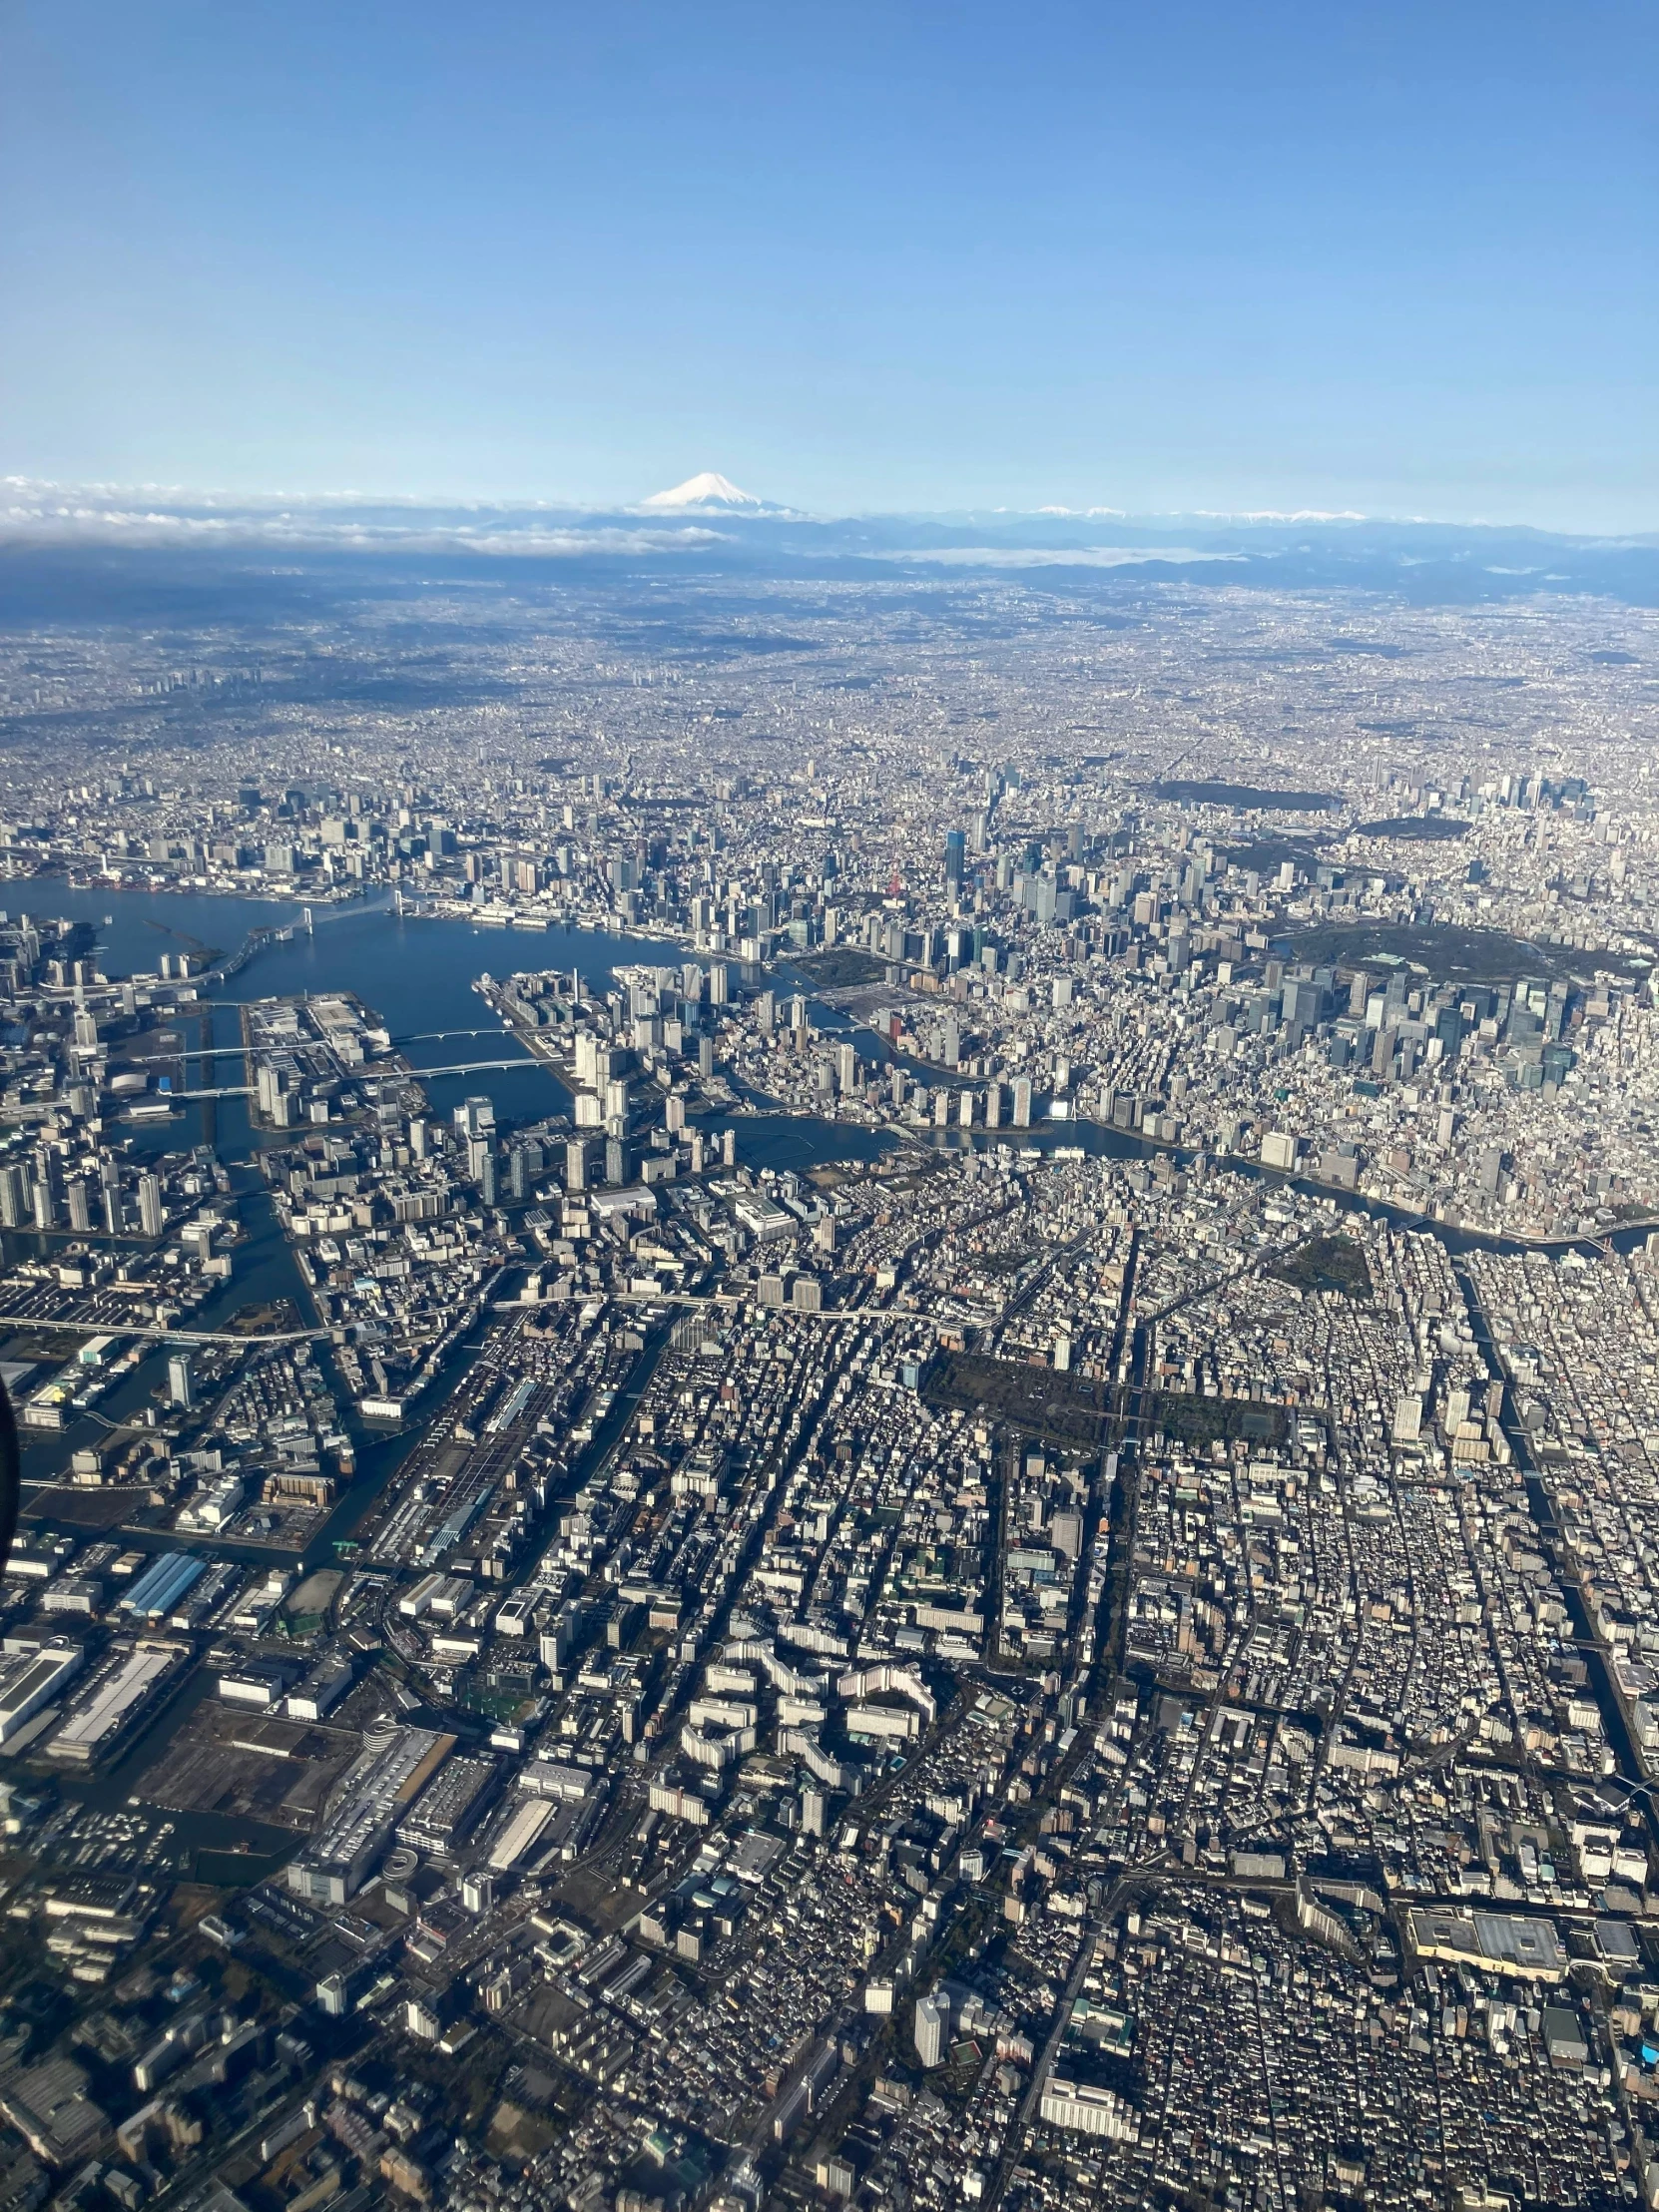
1065, 1533
151, 1221
14, 1197
931, 2027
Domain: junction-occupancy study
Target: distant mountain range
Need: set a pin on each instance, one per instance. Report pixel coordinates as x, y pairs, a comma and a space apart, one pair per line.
63, 546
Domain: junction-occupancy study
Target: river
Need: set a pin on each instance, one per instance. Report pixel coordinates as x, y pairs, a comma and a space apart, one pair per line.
416, 974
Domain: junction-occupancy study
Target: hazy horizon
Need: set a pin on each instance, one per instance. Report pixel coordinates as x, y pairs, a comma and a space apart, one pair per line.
122, 509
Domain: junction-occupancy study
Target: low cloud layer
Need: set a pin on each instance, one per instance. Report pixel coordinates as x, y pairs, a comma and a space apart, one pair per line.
53, 514
1056, 556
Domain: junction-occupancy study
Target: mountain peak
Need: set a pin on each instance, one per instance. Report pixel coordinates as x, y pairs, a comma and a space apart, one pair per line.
709, 490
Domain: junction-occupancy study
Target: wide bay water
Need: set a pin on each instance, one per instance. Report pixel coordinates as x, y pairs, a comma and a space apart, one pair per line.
134, 928
416, 974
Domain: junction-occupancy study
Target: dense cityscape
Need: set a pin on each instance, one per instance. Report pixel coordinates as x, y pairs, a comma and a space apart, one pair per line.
840, 1390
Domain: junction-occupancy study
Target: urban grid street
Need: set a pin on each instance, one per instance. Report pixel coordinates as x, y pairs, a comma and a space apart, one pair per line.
866, 1409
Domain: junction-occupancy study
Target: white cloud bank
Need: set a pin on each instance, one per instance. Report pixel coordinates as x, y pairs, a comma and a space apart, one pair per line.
150, 515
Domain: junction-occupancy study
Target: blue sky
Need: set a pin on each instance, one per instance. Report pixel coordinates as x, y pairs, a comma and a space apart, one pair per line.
1397, 259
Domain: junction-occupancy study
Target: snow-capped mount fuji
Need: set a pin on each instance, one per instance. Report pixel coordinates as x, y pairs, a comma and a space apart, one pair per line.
707, 493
